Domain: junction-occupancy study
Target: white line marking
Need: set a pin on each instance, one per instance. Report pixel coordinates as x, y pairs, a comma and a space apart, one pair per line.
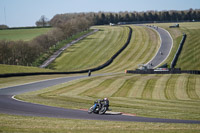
13, 97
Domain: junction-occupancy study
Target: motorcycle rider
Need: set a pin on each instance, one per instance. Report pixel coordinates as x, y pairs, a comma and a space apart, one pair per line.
99, 102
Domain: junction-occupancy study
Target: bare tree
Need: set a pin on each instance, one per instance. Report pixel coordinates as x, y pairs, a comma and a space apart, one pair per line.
3, 26
43, 21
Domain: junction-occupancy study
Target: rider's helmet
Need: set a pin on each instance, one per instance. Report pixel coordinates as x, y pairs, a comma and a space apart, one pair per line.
105, 99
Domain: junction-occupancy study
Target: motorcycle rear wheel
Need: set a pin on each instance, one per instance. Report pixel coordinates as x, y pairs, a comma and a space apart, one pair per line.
103, 110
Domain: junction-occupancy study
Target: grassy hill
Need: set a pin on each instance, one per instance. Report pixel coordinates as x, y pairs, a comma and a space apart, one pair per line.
22, 34
20, 69
99, 47
143, 46
93, 50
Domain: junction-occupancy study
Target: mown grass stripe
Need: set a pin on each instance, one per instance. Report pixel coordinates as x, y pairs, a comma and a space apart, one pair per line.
169, 89
67, 89
124, 89
159, 90
81, 89
138, 87
191, 91
181, 87
197, 88
114, 86
95, 91
148, 89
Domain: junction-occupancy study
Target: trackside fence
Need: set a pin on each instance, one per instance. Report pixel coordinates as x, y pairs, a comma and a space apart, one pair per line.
170, 71
173, 63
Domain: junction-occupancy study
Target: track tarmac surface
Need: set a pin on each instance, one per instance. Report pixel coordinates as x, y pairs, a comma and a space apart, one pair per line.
164, 50
10, 105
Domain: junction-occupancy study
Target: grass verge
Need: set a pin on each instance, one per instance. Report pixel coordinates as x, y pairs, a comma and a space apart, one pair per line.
22, 34
16, 124
20, 69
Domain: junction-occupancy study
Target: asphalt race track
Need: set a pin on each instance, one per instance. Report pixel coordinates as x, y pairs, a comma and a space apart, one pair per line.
164, 50
9, 105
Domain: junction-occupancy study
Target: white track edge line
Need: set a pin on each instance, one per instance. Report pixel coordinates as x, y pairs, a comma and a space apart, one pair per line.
13, 97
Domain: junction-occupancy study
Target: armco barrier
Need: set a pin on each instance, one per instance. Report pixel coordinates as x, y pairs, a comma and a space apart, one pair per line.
76, 72
173, 63
171, 71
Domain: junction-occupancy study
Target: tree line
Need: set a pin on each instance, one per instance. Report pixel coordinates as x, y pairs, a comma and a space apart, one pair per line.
149, 16
66, 25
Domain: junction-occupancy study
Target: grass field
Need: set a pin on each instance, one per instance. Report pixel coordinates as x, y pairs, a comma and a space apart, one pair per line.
93, 50
22, 34
16, 124
20, 69
189, 57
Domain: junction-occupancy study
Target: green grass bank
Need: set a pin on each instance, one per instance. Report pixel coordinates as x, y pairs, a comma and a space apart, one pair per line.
22, 34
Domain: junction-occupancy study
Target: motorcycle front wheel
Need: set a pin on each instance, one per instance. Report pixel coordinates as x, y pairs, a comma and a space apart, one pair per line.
90, 110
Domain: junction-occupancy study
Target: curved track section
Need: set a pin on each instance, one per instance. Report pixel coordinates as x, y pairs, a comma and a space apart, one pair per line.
12, 106
164, 50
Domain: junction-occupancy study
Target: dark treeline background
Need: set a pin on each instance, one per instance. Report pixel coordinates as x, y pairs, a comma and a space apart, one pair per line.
151, 16
102, 18
66, 25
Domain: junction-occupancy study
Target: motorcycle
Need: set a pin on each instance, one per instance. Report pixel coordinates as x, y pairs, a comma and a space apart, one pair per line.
99, 110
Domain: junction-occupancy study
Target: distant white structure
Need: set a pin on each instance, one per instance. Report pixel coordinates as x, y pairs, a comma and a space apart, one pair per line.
142, 67
111, 24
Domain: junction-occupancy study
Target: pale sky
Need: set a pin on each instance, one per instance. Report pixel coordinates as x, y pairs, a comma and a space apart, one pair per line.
16, 13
